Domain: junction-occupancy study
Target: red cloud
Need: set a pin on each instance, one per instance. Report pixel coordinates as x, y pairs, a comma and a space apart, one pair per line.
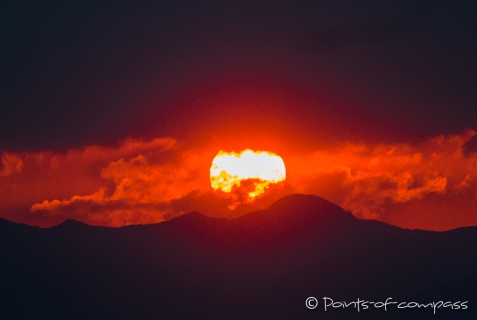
141, 182
366, 180
142, 185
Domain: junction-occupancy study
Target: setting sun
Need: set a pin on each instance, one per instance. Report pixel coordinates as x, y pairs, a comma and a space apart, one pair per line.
254, 170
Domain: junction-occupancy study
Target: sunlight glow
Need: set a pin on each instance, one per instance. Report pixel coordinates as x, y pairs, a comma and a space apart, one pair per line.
229, 169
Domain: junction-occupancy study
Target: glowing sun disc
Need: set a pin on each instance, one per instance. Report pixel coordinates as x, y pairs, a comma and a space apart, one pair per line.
229, 169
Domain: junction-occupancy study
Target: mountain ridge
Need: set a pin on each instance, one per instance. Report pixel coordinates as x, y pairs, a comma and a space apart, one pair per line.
261, 265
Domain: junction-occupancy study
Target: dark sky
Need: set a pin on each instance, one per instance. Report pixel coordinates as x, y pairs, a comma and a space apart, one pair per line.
311, 71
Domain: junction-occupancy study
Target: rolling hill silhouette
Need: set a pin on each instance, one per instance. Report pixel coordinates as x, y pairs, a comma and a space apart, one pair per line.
262, 265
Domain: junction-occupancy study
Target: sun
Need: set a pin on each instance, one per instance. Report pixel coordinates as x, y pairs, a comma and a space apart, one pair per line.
250, 172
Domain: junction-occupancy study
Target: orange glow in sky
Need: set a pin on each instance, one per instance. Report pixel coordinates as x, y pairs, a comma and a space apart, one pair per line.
231, 169
431, 185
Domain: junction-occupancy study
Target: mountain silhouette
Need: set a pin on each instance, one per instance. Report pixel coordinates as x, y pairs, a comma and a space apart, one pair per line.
262, 265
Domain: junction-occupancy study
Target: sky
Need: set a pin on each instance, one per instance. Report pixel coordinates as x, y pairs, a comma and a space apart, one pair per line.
111, 113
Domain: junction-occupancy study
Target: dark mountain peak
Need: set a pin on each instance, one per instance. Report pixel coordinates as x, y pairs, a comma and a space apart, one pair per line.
305, 203
7, 225
299, 212
71, 223
194, 225
191, 218
298, 206
10, 226
5, 222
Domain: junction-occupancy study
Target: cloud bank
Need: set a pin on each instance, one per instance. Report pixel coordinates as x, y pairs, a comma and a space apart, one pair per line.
140, 182
368, 180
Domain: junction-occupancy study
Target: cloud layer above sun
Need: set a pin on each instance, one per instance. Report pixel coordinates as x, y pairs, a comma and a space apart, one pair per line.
140, 182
